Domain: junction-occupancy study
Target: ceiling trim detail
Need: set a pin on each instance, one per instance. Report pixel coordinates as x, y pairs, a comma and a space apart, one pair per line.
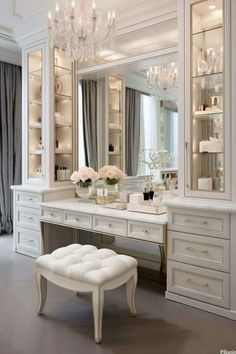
14, 13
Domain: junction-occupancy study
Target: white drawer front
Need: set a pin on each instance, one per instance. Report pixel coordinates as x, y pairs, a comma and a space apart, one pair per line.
110, 225
28, 199
199, 222
51, 214
146, 231
75, 219
28, 240
199, 283
202, 251
28, 217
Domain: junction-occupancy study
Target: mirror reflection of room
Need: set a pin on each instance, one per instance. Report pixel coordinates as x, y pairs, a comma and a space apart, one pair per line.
139, 112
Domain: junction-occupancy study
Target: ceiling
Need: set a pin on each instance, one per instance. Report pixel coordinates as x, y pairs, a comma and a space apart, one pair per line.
15, 14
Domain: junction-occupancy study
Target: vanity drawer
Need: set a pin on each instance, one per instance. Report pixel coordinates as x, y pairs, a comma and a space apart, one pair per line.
28, 241
199, 222
199, 283
109, 225
28, 199
51, 214
28, 217
202, 251
76, 219
146, 231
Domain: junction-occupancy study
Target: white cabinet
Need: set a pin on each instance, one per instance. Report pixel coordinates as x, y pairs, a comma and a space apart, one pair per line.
205, 57
198, 266
48, 115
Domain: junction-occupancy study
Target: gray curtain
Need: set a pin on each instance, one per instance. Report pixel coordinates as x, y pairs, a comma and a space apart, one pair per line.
10, 139
132, 130
89, 97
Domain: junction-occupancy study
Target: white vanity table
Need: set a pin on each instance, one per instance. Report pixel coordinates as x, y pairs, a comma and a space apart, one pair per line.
99, 219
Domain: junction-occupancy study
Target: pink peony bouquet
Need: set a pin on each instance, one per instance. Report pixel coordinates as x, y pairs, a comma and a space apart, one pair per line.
84, 176
111, 174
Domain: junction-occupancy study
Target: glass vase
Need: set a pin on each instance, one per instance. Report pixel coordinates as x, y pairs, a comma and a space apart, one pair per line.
83, 191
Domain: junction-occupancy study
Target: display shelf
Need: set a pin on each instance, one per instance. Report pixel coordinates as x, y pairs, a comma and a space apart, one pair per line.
62, 97
37, 73
35, 152
61, 71
215, 27
207, 97
35, 125
35, 101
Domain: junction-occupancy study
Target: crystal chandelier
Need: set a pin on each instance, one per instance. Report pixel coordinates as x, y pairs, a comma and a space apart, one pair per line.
162, 81
81, 30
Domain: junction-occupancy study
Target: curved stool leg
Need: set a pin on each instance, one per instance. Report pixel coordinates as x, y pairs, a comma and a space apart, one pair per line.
98, 301
130, 292
42, 291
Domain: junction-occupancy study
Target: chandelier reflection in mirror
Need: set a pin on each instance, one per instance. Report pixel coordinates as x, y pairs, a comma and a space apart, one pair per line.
162, 81
81, 30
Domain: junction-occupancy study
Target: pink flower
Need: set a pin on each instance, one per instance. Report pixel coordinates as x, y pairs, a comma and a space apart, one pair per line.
83, 174
110, 171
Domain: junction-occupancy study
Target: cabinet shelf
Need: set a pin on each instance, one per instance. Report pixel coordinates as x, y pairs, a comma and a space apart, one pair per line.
62, 97
207, 75
61, 71
66, 125
35, 152
35, 125
114, 110
206, 152
216, 27
37, 73
207, 113
35, 101
114, 153
63, 151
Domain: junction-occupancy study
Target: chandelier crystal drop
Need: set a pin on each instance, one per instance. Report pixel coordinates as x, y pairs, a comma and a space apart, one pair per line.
81, 30
162, 81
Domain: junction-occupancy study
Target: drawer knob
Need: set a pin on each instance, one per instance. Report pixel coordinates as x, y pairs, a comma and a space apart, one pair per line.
204, 222
52, 215
204, 285
191, 249
77, 219
145, 232
109, 225
204, 251
190, 281
189, 221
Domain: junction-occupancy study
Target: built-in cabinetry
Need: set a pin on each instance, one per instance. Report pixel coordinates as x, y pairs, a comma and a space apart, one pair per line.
207, 91
114, 121
48, 140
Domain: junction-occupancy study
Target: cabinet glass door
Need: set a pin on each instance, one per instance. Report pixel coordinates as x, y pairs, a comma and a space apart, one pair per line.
207, 97
63, 116
115, 121
35, 136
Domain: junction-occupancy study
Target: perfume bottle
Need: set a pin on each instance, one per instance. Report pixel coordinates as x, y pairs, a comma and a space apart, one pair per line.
145, 191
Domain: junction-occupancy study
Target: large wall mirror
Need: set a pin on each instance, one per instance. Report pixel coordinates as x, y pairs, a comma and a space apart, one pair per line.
128, 116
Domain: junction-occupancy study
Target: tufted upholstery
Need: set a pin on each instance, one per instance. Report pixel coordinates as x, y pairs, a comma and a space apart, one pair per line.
87, 264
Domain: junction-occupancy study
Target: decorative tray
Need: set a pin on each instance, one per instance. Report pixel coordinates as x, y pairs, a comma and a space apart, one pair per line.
145, 208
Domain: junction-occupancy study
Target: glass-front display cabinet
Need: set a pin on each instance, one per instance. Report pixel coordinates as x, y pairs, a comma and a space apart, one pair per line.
115, 121
207, 128
35, 163
63, 116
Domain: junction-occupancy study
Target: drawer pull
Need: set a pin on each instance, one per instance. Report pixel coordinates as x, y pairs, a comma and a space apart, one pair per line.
189, 221
30, 199
191, 249
194, 250
109, 225
204, 251
52, 215
204, 222
145, 232
28, 217
190, 281
77, 220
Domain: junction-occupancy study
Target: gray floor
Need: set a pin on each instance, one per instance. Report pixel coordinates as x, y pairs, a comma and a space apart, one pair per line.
162, 326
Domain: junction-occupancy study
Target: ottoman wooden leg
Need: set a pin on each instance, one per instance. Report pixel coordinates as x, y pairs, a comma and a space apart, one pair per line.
130, 292
98, 301
42, 291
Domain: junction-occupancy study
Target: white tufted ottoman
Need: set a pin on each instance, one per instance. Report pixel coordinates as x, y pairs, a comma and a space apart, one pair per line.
87, 269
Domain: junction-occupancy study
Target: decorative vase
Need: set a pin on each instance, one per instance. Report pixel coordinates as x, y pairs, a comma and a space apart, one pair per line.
83, 189
113, 189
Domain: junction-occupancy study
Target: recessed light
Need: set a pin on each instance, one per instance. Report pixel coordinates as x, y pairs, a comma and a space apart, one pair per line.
211, 7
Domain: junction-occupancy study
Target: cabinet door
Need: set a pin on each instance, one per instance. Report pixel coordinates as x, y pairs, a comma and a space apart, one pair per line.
207, 108
63, 116
33, 117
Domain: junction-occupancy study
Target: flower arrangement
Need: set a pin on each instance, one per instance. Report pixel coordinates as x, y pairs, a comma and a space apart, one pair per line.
84, 176
111, 174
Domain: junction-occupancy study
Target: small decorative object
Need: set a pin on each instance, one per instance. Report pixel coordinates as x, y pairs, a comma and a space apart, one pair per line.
111, 174
205, 183
84, 178
58, 86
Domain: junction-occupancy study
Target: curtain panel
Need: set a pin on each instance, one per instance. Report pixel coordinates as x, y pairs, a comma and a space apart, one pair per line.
132, 130
10, 139
89, 102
